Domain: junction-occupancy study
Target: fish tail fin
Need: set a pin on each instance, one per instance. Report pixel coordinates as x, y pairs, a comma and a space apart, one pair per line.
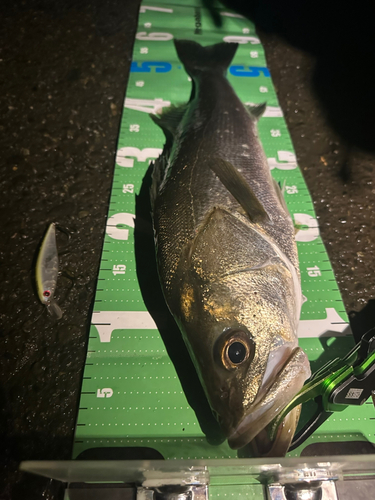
197, 59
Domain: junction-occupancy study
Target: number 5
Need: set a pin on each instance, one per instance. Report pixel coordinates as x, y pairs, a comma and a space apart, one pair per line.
104, 393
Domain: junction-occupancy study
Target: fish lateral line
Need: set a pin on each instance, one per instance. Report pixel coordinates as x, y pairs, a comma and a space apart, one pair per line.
256, 267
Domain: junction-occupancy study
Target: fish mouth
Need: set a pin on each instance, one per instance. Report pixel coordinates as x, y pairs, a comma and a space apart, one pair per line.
287, 383
263, 446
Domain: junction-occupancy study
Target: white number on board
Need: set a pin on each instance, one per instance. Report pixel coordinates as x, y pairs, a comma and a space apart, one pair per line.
128, 188
285, 161
123, 154
114, 227
275, 133
312, 231
107, 392
119, 269
146, 105
154, 37
242, 39
291, 189
314, 271
143, 9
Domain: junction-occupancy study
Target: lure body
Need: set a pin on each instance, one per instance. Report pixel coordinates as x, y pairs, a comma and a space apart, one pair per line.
47, 269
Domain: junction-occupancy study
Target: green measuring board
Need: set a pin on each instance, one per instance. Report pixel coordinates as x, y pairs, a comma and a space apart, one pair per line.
131, 393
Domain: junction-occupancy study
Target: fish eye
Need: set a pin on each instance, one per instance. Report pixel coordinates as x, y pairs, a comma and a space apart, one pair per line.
46, 293
237, 352
235, 347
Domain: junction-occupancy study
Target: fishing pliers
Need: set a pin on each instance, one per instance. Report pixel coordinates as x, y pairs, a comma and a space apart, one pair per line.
336, 385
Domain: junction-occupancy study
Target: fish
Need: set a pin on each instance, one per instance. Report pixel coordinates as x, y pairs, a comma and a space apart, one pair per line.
47, 270
226, 254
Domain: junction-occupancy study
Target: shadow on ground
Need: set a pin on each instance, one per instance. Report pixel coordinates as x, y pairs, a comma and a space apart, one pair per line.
341, 38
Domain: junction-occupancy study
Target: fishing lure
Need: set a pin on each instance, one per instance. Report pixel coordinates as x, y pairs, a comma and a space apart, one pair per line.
47, 269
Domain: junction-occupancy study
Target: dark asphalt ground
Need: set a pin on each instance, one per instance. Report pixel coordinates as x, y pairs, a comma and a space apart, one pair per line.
63, 75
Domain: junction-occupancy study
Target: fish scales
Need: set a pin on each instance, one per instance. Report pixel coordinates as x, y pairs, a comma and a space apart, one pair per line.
226, 254
224, 130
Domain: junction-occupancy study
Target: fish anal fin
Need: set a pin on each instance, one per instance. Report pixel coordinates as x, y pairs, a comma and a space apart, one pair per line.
280, 194
256, 110
239, 189
170, 119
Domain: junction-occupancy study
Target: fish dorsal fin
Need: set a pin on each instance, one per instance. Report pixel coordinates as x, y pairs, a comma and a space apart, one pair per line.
239, 189
256, 110
170, 119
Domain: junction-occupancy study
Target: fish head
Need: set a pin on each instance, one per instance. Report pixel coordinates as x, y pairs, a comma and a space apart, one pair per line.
249, 365
239, 316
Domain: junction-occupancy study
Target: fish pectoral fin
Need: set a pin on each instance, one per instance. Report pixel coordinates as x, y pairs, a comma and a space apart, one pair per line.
256, 110
239, 189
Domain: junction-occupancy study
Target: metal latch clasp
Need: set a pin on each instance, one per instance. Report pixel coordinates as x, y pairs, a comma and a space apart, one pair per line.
303, 484
173, 492
191, 484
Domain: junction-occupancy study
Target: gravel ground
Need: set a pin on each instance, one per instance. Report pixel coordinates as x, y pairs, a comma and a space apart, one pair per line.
63, 74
